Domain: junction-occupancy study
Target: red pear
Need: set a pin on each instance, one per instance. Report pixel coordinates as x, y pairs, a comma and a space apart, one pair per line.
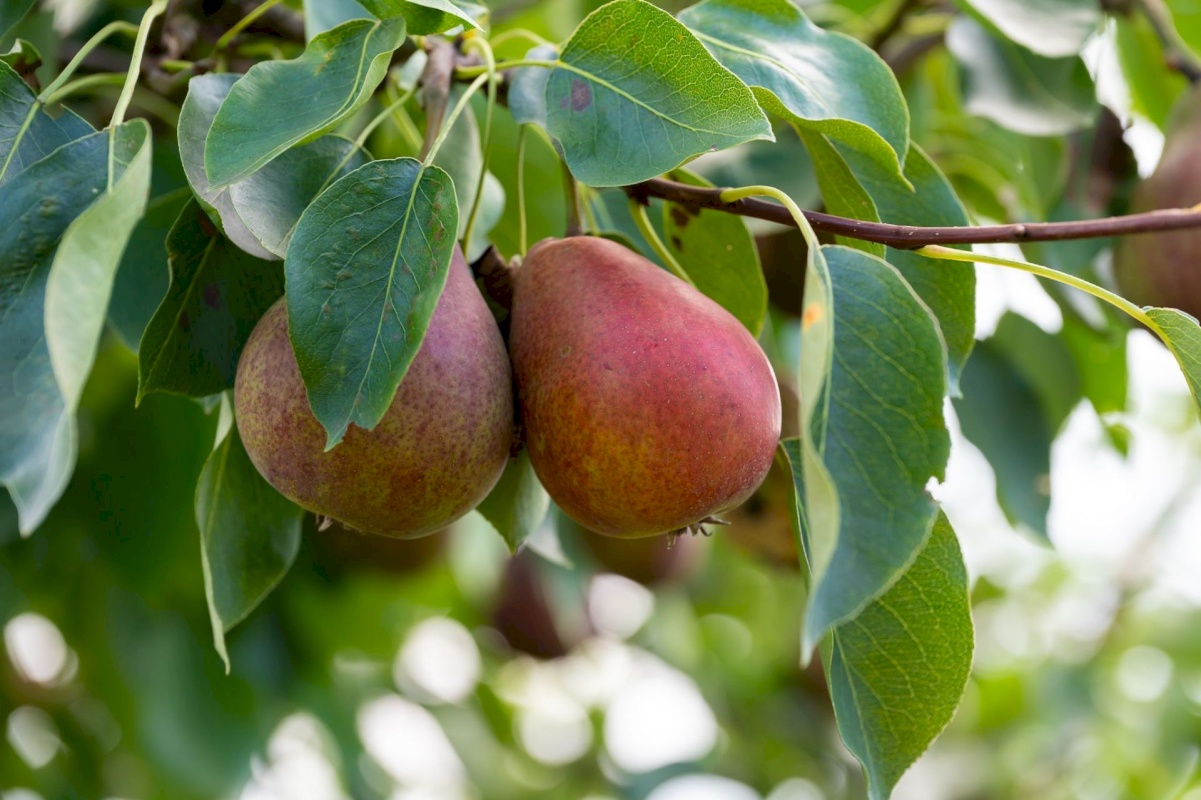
647, 408
437, 452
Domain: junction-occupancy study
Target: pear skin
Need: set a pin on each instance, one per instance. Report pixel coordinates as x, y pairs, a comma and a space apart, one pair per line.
437, 452
1160, 269
646, 407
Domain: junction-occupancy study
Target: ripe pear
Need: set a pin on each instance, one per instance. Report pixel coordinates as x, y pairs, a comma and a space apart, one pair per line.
647, 408
437, 452
1160, 269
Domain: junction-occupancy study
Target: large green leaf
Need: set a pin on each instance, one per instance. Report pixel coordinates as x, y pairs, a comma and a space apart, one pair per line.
84, 267
428, 16
948, 288
206, 93
279, 104
812, 77
517, 504
898, 670
37, 431
1017, 89
365, 269
842, 193
718, 253
249, 534
1052, 28
27, 133
873, 379
634, 94
217, 294
269, 203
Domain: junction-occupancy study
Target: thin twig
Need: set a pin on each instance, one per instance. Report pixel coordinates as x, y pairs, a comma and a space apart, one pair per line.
909, 237
1176, 54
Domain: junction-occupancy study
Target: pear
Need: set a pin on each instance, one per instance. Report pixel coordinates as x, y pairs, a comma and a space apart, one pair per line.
1160, 269
437, 452
646, 407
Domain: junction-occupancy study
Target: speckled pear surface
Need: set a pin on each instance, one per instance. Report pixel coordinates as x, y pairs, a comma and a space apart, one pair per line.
438, 450
646, 406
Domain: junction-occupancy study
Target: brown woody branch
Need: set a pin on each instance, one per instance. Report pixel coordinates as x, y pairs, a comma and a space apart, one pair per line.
910, 237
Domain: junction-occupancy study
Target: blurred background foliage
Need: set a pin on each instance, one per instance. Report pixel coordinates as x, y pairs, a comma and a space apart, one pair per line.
584, 668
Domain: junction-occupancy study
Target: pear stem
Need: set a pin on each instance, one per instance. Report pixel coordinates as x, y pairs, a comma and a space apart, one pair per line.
572, 193
638, 212
489, 59
522, 227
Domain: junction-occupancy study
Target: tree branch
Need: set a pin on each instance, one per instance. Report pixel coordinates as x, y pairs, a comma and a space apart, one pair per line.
909, 237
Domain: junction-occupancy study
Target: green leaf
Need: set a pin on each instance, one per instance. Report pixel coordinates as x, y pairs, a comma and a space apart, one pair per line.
428, 16
206, 93
898, 670
85, 265
1154, 87
947, 288
814, 78
527, 87
1000, 414
11, 12
1051, 28
634, 95
518, 503
462, 157
365, 269
27, 133
217, 294
37, 432
144, 275
1180, 333
873, 378
269, 203
323, 15
842, 194
1100, 357
249, 536
1017, 89
718, 253
279, 104
23, 56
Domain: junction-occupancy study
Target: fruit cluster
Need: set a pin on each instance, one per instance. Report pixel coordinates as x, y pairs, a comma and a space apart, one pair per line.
646, 408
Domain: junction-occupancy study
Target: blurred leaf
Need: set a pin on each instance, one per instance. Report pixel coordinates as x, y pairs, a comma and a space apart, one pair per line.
249, 536
270, 202
365, 269
462, 157
206, 93
217, 294
1017, 89
85, 265
1100, 358
1044, 362
719, 255
814, 78
323, 15
842, 194
873, 379
631, 68
28, 133
1000, 413
527, 87
1052, 28
1153, 86
897, 671
949, 289
518, 503
37, 431
11, 12
279, 104
428, 16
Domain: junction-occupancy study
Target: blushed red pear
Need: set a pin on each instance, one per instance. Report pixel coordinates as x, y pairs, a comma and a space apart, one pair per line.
437, 452
646, 407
